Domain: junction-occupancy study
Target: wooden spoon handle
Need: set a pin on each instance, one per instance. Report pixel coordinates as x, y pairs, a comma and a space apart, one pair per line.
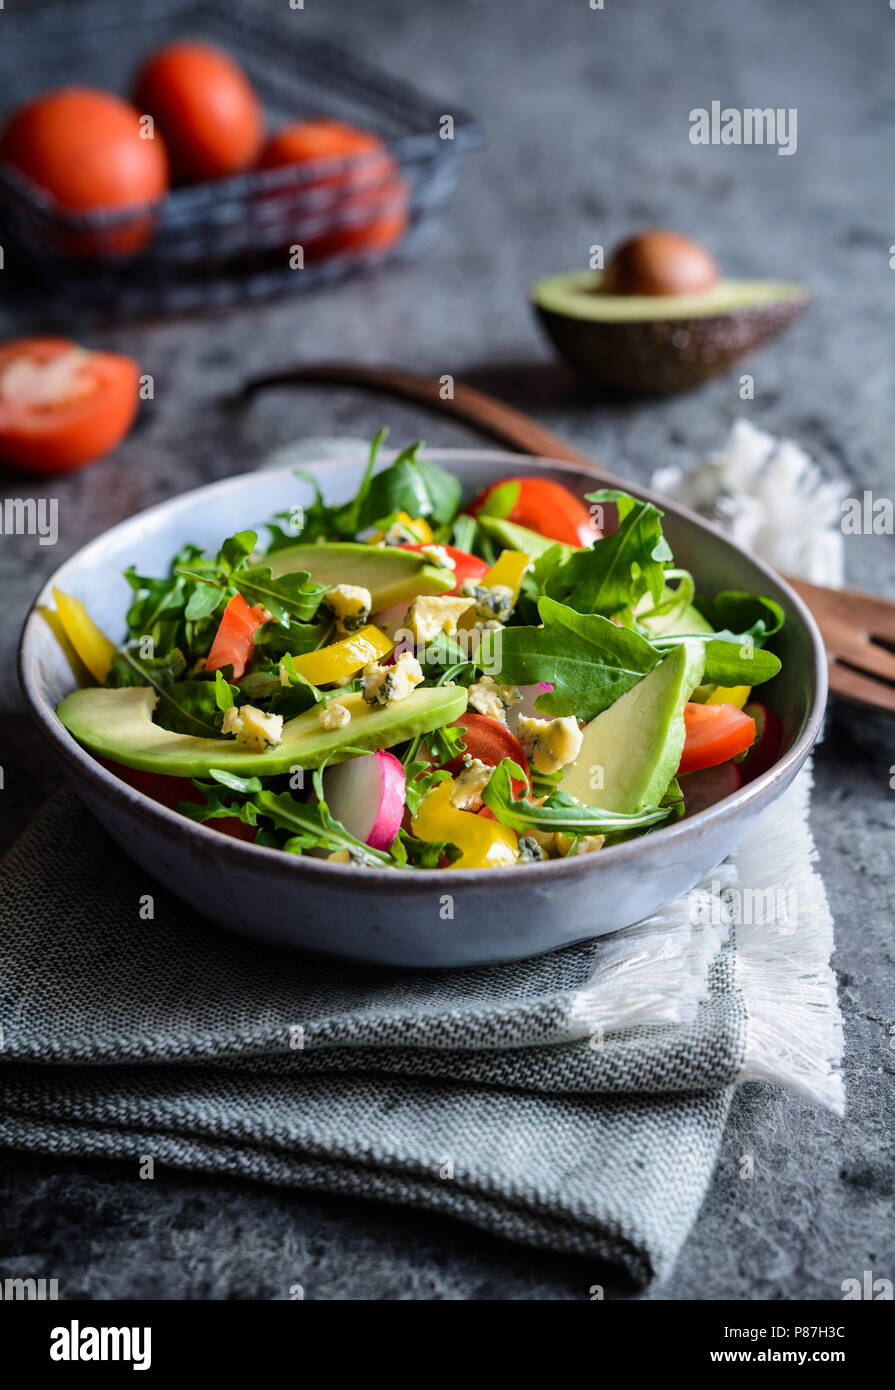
473, 407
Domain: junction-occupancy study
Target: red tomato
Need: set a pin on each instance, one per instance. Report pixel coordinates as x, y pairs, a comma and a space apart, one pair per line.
489, 741
548, 508
87, 150
369, 197
715, 733
234, 639
206, 107
466, 566
62, 406
168, 791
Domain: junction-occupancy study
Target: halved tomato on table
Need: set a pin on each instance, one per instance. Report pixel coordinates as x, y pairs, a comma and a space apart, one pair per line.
62, 406
544, 506
714, 734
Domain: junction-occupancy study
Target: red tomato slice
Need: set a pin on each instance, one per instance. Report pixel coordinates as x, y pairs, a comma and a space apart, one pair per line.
233, 641
548, 508
715, 733
168, 791
489, 741
466, 566
62, 406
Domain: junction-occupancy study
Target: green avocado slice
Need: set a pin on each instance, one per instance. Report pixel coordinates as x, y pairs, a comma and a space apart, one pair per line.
683, 623
514, 537
117, 724
636, 743
392, 575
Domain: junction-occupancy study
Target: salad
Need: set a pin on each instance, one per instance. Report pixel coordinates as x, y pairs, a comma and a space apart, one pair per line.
411, 680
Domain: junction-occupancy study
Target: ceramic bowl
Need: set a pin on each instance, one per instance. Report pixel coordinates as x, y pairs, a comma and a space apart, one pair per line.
441, 917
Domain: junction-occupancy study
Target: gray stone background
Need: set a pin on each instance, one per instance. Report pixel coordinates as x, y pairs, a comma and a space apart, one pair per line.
586, 119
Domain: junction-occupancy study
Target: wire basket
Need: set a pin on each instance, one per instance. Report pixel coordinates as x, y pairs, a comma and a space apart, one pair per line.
244, 237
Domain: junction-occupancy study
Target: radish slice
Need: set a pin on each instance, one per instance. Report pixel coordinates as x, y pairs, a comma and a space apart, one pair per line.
526, 707
367, 795
710, 785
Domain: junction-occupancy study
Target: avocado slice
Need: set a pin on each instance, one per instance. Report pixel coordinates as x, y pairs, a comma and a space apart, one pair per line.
637, 741
117, 724
514, 537
654, 344
689, 620
392, 575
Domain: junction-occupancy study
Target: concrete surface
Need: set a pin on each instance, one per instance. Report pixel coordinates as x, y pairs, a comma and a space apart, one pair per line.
586, 114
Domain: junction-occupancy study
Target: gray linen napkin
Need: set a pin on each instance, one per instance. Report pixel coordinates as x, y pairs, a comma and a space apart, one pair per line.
574, 1102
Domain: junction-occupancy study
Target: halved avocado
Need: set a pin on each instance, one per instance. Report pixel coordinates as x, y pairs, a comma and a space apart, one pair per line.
117, 724
648, 344
392, 575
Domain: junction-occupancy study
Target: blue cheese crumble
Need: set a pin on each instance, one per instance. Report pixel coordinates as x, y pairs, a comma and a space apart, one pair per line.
350, 606
383, 685
549, 743
253, 728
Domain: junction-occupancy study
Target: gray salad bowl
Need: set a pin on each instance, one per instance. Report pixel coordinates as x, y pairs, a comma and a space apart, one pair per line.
436, 918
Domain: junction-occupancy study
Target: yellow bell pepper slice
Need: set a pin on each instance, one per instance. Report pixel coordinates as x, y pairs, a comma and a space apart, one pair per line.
507, 571
484, 843
91, 645
54, 622
730, 695
418, 525
341, 660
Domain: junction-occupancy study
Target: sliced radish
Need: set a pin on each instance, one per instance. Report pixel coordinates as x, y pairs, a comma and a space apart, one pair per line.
526, 707
712, 784
367, 795
768, 743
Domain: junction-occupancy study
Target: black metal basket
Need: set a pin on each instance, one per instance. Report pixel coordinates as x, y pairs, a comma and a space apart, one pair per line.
249, 236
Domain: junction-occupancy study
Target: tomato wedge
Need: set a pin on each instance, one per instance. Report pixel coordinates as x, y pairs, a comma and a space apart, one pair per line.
466, 566
489, 741
234, 639
715, 733
62, 406
548, 508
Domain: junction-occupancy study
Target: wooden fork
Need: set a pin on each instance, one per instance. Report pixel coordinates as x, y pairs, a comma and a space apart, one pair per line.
858, 629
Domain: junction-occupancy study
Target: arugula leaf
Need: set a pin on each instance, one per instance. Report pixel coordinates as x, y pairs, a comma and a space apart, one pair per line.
223, 692
422, 854
300, 695
290, 596
560, 811
274, 640
312, 826
463, 532
731, 658
420, 778
216, 805
614, 573
588, 659
742, 612
184, 707
413, 485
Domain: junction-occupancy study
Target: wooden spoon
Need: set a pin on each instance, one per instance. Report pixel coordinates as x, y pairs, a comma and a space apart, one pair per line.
858, 629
